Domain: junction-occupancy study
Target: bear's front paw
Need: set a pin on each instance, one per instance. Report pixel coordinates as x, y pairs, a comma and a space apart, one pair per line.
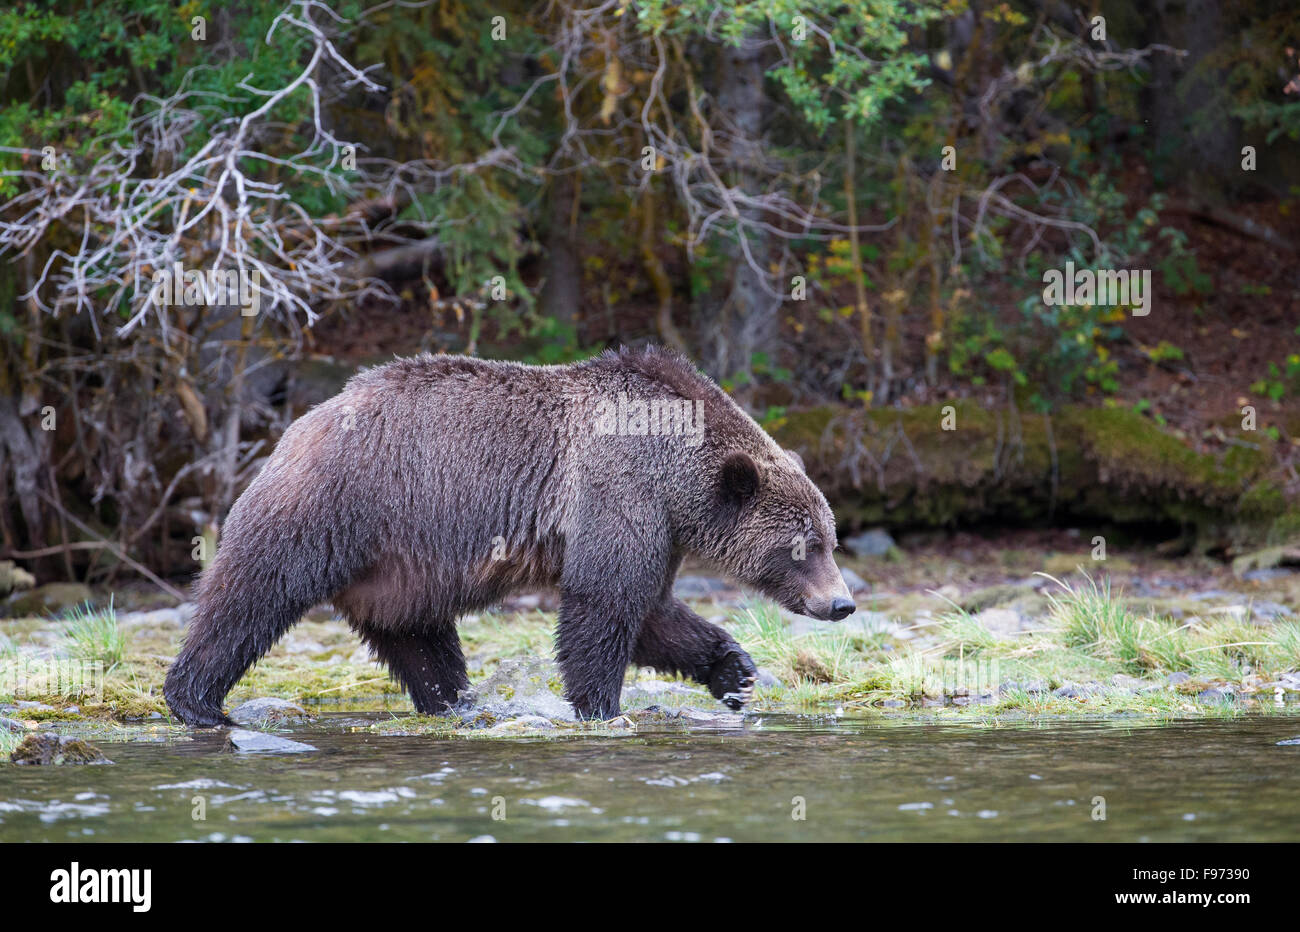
732, 679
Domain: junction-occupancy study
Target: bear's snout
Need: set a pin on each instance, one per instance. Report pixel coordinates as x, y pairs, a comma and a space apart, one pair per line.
834, 609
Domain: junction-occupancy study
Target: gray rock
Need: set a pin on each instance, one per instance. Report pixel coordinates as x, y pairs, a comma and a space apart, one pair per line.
177, 617
893, 704
1077, 690
268, 710
516, 688
1175, 678
259, 741
1261, 609
50, 598
767, 679
874, 542
695, 718
1289, 741
651, 688
1215, 694
698, 587
1209, 594
27, 705
521, 725
14, 577
1033, 687
1001, 622
301, 645
1275, 572
855, 582
1255, 611
8, 724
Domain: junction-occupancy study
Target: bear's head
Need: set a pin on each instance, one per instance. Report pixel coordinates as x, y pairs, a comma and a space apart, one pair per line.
778, 534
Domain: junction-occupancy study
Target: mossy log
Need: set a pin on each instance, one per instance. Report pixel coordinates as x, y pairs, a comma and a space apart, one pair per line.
902, 468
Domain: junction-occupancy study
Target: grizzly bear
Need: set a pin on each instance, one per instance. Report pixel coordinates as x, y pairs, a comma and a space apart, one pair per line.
433, 486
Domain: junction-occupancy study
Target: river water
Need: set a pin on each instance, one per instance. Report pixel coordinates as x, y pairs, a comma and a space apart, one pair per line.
780, 778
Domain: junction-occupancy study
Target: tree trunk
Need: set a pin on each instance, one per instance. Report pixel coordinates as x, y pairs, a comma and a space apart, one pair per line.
658, 275
561, 296
747, 321
25, 466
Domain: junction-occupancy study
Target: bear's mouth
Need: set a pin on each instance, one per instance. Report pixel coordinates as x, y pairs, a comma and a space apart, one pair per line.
800, 607
829, 614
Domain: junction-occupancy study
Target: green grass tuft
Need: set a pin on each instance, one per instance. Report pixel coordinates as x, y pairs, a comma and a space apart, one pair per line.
95, 636
809, 658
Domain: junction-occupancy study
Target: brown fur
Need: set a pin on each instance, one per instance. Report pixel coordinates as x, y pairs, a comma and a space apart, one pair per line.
433, 486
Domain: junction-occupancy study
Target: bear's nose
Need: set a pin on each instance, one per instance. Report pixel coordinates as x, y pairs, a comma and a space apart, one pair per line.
842, 608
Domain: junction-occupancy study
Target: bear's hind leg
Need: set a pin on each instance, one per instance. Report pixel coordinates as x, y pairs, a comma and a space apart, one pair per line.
674, 639
428, 662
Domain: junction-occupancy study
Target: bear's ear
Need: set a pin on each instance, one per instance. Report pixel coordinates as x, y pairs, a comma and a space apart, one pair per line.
798, 460
738, 482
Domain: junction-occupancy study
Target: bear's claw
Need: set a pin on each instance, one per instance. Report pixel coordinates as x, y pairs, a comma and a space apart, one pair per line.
732, 680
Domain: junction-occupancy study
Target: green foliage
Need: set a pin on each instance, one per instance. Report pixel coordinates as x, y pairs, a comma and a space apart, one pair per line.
1281, 380
873, 62
1256, 68
556, 342
1164, 351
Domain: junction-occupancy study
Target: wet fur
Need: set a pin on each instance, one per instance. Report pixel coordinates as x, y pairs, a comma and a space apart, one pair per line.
390, 499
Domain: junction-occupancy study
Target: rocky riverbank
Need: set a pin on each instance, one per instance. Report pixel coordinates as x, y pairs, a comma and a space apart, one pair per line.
1025, 625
